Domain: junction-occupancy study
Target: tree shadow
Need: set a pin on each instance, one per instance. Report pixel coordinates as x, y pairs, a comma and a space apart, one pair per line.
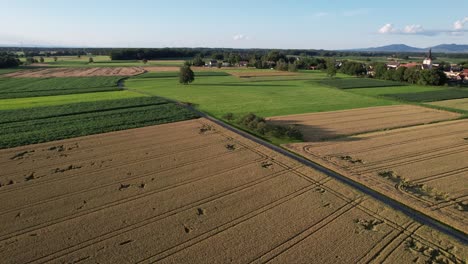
314, 133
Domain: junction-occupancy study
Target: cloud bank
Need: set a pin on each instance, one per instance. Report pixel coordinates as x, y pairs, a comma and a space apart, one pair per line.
458, 29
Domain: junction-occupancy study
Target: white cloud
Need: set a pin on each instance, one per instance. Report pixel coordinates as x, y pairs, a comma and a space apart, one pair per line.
460, 24
413, 29
387, 29
240, 37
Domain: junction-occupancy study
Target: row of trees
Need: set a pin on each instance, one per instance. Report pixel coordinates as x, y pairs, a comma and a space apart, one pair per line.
8, 60
414, 75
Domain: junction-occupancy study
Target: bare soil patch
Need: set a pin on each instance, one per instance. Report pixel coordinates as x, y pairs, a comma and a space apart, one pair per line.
77, 72
183, 193
425, 167
161, 68
320, 126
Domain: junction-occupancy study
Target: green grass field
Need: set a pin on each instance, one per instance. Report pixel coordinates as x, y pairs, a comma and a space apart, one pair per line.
31, 87
35, 125
350, 83
220, 95
32, 102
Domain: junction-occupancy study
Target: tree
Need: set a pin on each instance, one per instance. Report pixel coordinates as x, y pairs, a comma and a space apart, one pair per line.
331, 68
399, 74
90, 60
379, 70
198, 61
55, 58
8, 60
292, 67
282, 65
186, 75
41, 59
411, 75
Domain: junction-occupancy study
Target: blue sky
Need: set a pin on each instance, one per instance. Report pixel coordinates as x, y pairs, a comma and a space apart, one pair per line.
328, 24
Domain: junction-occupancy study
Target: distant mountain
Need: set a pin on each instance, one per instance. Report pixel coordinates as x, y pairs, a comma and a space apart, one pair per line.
443, 48
448, 48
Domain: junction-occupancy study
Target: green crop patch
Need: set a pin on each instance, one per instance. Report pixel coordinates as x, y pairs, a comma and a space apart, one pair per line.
431, 96
350, 83
10, 116
86, 119
176, 74
32, 87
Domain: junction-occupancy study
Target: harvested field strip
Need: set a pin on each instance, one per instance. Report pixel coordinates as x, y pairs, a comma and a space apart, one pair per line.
319, 126
221, 197
77, 72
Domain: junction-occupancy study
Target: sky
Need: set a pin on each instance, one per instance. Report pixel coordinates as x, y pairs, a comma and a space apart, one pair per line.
282, 24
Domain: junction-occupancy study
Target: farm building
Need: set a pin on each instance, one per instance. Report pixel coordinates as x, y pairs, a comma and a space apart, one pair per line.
212, 63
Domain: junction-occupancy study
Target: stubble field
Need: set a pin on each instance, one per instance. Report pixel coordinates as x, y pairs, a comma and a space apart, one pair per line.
186, 191
77, 72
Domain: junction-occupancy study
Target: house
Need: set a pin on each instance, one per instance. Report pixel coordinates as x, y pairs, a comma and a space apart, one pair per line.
313, 68
226, 64
393, 65
212, 63
243, 63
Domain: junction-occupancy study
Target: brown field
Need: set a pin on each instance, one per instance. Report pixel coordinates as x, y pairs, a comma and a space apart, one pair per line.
193, 192
161, 68
424, 166
455, 103
78, 72
256, 73
320, 126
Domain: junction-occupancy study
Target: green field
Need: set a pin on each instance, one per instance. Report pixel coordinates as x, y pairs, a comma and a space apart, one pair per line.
223, 94
31, 87
414, 93
42, 124
350, 83
31, 102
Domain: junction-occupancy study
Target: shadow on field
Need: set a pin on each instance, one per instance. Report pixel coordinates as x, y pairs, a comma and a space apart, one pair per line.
314, 133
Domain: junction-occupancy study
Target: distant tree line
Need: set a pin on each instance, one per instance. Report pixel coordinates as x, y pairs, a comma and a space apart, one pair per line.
8, 60
413, 75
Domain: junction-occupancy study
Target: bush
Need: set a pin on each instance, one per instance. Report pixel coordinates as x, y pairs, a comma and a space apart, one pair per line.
259, 125
228, 116
8, 60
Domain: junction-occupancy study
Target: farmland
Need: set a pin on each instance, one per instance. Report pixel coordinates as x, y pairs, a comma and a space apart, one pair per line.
349, 83
219, 95
320, 126
424, 166
461, 104
32, 87
183, 192
77, 72
41, 124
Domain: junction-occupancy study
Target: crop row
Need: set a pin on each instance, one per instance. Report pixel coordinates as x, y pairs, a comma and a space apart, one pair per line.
92, 122
31, 87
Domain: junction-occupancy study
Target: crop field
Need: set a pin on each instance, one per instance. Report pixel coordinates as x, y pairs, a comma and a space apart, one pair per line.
414, 93
320, 126
183, 192
422, 166
461, 104
31, 87
77, 72
176, 74
218, 95
42, 124
349, 83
